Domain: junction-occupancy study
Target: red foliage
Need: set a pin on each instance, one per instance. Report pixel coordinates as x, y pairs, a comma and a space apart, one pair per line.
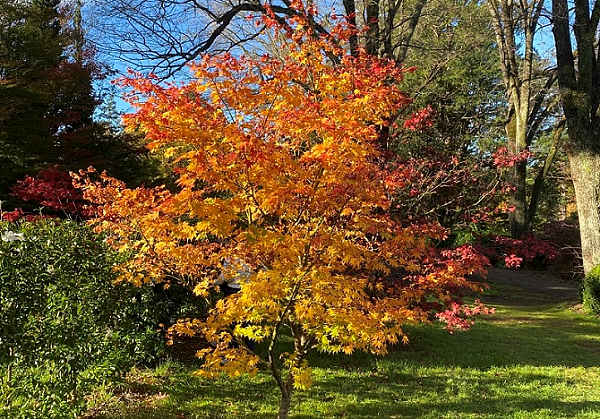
517, 252
471, 259
503, 159
18, 214
421, 120
460, 317
53, 189
12, 216
448, 188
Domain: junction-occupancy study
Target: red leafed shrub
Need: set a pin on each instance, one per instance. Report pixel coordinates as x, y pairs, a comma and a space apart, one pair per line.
460, 317
515, 253
448, 188
12, 216
53, 189
18, 215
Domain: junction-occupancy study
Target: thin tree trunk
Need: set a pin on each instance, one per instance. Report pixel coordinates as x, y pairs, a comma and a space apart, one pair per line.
516, 134
285, 403
408, 34
538, 185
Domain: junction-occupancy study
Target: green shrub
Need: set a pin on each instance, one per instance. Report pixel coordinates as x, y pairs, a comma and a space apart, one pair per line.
590, 291
64, 325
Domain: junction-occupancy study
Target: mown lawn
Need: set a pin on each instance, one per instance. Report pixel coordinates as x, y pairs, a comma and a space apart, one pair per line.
535, 358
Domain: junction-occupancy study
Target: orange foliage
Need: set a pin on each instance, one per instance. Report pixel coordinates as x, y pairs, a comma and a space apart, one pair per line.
278, 171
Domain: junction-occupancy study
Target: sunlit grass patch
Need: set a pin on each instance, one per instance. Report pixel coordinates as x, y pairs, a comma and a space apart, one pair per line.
537, 361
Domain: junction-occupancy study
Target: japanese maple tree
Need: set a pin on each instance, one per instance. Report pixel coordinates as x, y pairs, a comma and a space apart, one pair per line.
281, 186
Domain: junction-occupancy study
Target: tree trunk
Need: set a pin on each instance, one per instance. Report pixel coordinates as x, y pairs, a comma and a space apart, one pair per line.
580, 96
516, 131
508, 19
285, 402
518, 200
585, 171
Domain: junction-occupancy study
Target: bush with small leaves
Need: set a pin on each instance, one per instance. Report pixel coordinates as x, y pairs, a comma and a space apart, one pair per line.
590, 291
64, 324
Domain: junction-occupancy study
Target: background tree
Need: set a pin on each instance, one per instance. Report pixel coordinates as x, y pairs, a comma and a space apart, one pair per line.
456, 75
579, 83
528, 85
31, 50
48, 101
280, 187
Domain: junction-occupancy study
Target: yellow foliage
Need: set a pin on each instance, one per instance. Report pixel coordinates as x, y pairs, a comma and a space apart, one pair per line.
278, 171
302, 376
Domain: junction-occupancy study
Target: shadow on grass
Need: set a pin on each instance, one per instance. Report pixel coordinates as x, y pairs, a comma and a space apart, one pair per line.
443, 395
390, 392
538, 361
183, 396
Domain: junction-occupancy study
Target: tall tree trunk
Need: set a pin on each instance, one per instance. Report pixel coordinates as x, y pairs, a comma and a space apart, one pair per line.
516, 131
350, 9
508, 18
579, 84
373, 40
585, 171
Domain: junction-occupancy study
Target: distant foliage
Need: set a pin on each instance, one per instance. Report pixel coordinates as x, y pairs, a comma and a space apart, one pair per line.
516, 253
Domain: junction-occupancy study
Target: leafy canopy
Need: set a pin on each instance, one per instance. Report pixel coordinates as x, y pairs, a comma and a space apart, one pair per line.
280, 178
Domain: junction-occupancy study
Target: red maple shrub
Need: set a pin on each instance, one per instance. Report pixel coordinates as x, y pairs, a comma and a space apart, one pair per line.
53, 189
528, 251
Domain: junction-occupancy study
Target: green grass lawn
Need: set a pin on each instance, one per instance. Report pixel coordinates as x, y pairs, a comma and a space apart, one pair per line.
534, 358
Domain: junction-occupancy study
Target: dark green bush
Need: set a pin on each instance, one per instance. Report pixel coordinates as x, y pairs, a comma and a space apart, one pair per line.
64, 325
590, 291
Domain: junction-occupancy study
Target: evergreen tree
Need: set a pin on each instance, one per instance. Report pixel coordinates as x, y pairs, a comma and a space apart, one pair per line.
31, 50
48, 72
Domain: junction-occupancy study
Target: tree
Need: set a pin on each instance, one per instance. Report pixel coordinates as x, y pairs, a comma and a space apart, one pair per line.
30, 49
48, 100
450, 42
579, 84
280, 188
527, 88
457, 78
